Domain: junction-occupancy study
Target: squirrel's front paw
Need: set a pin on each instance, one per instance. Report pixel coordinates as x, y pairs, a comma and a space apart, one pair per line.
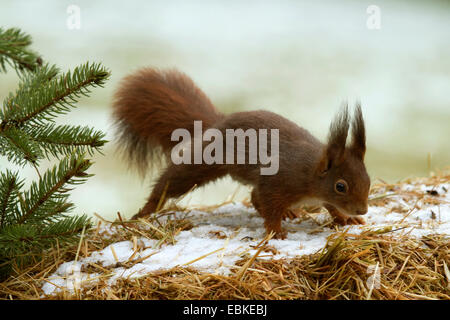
344, 220
281, 235
290, 214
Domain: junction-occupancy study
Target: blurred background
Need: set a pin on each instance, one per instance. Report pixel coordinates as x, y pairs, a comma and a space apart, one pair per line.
300, 59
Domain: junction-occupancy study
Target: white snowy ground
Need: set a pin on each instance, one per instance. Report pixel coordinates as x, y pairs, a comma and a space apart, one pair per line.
221, 237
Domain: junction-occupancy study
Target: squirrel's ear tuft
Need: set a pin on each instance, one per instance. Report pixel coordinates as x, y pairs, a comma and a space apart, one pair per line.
358, 144
337, 137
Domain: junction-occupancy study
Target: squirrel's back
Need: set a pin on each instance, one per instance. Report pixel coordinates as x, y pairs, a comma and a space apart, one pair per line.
150, 104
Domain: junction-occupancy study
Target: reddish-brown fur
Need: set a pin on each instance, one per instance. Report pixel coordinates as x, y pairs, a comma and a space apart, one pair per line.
150, 104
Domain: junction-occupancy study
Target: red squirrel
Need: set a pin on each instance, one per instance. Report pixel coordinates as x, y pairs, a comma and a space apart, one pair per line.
150, 104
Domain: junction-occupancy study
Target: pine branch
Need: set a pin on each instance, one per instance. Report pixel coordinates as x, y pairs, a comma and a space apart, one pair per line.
63, 140
21, 241
26, 234
33, 220
65, 229
16, 240
19, 147
30, 82
53, 98
9, 188
52, 189
13, 51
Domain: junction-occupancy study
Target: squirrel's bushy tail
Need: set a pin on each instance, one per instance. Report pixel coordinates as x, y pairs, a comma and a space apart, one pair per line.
150, 104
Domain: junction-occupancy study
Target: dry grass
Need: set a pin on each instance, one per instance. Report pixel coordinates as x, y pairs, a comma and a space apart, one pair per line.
371, 265
407, 270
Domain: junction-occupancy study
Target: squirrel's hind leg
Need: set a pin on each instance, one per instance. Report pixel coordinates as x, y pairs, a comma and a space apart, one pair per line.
177, 180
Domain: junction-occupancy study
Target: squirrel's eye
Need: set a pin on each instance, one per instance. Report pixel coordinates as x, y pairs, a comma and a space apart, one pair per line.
341, 186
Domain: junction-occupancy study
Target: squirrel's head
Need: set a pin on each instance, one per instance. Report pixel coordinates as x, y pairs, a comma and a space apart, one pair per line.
344, 182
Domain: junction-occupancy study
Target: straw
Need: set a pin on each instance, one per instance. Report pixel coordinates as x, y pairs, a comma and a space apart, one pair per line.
378, 264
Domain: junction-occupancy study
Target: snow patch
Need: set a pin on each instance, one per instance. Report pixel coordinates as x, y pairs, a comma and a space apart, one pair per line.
222, 237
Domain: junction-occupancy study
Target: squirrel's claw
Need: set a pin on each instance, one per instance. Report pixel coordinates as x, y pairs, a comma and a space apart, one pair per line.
280, 235
289, 214
344, 220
